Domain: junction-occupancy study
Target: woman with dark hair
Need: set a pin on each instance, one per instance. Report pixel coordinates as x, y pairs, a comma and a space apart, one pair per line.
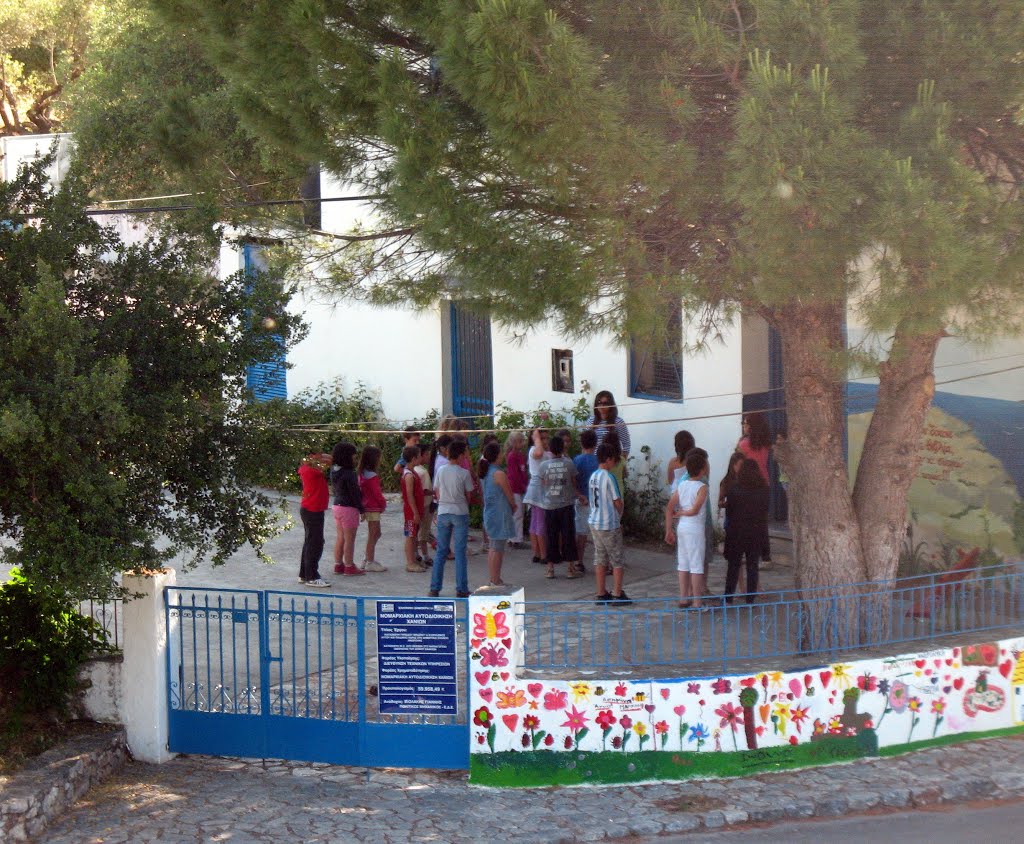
746, 511
756, 444
348, 507
605, 418
681, 444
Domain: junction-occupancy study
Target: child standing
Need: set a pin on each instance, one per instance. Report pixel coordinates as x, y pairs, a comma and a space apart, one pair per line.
413, 506
515, 468
586, 465
498, 502
410, 436
558, 478
348, 505
682, 443
756, 444
605, 520
535, 495
374, 504
746, 509
315, 497
419, 466
687, 506
453, 487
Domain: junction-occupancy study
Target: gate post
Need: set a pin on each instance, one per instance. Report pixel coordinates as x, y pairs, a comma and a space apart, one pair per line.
145, 700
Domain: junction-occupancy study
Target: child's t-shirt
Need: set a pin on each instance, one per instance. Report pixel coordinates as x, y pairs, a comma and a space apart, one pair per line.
417, 495
586, 465
687, 491
558, 475
424, 477
603, 492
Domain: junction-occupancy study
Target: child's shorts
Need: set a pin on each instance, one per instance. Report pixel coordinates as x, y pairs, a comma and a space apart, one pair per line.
582, 519
690, 552
411, 529
538, 520
497, 545
607, 547
372, 517
347, 518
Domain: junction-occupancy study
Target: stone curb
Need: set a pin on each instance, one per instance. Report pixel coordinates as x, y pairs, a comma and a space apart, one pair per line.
49, 785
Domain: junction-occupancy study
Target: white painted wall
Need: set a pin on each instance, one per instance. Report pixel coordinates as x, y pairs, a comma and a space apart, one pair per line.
19, 150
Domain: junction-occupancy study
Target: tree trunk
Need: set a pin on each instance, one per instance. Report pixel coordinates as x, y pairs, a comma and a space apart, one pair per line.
891, 454
825, 532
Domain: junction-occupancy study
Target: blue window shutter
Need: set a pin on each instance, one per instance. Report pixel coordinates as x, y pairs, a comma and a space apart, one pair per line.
267, 380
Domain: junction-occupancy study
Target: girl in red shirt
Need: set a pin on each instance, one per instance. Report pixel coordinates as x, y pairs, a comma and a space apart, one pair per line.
373, 503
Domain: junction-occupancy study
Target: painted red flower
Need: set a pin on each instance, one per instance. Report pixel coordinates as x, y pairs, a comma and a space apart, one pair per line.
482, 717
661, 727
625, 722
575, 720
605, 719
531, 722
731, 715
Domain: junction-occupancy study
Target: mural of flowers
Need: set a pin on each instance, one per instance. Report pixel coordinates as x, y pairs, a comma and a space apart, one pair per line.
577, 722
899, 695
625, 722
531, 723
914, 705
866, 682
721, 686
483, 718
781, 715
798, 715
939, 711
748, 697
556, 699
699, 733
605, 720
661, 730
580, 692
732, 717
640, 728
511, 698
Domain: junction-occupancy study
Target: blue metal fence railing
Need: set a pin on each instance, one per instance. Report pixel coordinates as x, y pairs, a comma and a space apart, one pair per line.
285, 675
654, 634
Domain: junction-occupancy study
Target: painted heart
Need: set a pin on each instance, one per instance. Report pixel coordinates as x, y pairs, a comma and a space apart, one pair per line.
826, 678
808, 680
1006, 667
936, 662
511, 721
486, 694
664, 694
482, 677
504, 675
679, 710
476, 643
958, 683
650, 707
535, 689
927, 672
949, 661
791, 696
759, 730
935, 681
763, 711
507, 643
1002, 651
920, 663
948, 677
956, 652
946, 689
795, 687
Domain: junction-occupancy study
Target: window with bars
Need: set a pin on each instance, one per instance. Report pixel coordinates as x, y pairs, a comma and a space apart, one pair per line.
656, 363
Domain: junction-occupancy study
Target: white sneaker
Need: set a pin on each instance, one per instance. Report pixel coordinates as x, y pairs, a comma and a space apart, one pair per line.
373, 565
320, 583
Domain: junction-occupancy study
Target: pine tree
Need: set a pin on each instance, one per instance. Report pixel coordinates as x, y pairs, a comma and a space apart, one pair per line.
590, 161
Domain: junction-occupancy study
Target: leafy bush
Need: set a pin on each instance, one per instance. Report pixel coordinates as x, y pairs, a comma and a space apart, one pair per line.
644, 500
43, 641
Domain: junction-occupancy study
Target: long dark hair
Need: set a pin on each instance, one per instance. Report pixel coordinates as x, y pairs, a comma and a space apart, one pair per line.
369, 460
344, 455
749, 476
682, 443
729, 479
759, 436
613, 410
442, 441
487, 458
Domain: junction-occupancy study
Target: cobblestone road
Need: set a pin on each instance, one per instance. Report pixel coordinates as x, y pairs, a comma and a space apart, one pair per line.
201, 799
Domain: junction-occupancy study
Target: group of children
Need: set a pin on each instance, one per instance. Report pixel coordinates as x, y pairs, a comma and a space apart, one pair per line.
571, 501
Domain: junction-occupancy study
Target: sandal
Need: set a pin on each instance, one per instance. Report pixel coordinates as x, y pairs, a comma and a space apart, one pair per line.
550, 574
573, 573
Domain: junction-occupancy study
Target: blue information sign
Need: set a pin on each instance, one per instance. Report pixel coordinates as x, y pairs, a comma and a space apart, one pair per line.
416, 669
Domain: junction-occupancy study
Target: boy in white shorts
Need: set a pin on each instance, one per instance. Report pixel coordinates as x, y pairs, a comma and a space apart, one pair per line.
687, 506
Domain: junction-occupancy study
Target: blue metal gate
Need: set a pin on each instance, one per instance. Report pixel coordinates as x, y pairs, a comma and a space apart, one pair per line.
281, 675
472, 363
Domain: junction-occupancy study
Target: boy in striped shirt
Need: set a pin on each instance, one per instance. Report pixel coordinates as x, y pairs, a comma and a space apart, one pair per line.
605, 522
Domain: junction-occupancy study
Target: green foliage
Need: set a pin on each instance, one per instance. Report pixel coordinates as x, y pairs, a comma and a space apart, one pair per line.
43, 641
123, 414
643, 516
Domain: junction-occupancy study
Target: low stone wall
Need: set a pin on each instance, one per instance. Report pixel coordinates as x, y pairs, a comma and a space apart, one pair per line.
33, 797
539, 732
100, 699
